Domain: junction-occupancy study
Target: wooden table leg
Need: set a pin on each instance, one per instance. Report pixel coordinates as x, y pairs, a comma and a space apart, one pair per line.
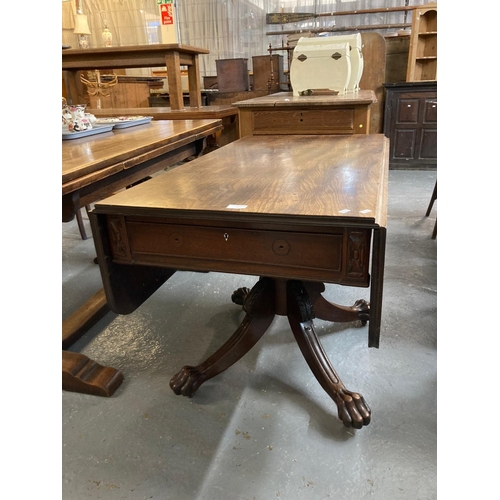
376, 287
79, 373
83, 375
352, 408
76, 93
84, 318
194, 80
259, 306
362, 119
173, 63
245, 118
325, 310
270, 297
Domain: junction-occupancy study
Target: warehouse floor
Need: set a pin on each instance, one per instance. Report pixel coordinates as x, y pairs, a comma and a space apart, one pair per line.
264, 429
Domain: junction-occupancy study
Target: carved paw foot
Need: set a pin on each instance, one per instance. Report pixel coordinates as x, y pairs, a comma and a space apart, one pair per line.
353, 409
363, 308
239, 296
187, 381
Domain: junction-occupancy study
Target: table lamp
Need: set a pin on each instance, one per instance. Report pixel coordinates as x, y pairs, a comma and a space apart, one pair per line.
81, 27
82, 30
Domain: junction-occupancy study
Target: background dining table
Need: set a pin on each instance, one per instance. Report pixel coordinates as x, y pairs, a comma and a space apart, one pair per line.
93, 168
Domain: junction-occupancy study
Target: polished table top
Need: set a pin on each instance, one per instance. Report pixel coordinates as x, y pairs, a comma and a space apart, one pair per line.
287, 99
108, 153
227, 113
167, 113
129, 56
325, 177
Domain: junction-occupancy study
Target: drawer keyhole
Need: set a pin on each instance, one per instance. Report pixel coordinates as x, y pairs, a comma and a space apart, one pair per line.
226, 236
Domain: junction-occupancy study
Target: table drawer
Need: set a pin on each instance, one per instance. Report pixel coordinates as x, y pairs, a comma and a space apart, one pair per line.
305, 121
337, 257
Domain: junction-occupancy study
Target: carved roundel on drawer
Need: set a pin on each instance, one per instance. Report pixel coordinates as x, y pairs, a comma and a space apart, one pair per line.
176, 239
281, 247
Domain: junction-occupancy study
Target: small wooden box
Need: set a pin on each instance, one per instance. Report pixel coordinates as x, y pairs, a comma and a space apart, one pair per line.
268, 73
232, 75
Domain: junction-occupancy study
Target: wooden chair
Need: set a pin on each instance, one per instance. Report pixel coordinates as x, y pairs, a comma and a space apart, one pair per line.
429, 208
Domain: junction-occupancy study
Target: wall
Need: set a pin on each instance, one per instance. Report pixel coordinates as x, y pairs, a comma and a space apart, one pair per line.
228, 28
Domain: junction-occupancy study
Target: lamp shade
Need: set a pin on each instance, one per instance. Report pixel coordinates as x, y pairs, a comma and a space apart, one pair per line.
81, 25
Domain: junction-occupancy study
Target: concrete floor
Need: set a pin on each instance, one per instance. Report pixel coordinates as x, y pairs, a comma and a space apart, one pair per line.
264, 429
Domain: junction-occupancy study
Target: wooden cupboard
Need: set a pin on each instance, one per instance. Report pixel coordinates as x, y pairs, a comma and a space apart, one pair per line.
410, 123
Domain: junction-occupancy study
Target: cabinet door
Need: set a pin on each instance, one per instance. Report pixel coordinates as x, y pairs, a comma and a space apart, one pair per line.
428, 138
413, 129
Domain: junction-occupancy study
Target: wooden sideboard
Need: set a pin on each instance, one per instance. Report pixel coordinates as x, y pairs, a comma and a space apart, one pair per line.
411, 124
283, 113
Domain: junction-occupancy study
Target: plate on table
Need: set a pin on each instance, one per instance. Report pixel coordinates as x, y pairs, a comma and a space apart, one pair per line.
124, 121
96, 129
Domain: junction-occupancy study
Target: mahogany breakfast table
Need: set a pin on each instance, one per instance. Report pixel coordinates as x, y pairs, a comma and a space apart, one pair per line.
170, 55
296, 211
93, 168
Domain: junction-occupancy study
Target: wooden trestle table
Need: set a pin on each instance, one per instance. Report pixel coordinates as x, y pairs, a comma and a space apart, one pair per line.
296, 211
227, 114
171, 55
93, 168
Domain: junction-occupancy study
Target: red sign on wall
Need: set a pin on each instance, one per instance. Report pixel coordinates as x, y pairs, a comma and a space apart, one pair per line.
167, 14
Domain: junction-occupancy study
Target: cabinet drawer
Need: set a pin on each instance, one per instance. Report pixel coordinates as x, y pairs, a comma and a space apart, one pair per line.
337, 257
306, 121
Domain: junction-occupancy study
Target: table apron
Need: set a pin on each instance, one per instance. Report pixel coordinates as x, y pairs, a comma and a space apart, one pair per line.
340, 255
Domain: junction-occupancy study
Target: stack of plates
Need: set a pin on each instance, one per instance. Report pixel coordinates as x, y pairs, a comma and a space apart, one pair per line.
124, 121
102, 125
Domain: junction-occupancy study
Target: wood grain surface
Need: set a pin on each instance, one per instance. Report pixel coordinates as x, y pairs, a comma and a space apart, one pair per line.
112, 149
166, 113
287, 99
336, 177
133, 56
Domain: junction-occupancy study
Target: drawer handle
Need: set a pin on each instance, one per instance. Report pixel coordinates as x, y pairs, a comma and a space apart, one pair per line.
226, 236
281, 247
